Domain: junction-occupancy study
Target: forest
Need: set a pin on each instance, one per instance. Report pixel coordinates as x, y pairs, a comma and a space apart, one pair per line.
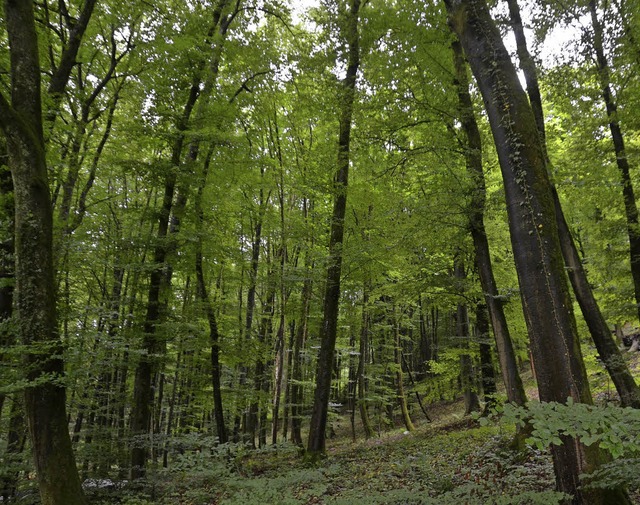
298, 252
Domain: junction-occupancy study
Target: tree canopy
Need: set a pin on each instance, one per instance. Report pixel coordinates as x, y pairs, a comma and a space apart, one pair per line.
240, 219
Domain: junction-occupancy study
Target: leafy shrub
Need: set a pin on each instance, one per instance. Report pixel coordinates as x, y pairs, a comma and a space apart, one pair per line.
614, 429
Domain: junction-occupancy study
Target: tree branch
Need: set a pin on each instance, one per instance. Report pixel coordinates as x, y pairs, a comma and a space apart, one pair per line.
244, 86
61, 75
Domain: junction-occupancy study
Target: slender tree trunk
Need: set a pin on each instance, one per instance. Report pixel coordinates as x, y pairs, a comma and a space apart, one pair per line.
45, 402
467, 375
397, 354
362, 364
534, 237
279, 372
473, 156
16, 439
214, 335
328, 330
172, 406
297, 391
630, 205
147, 365
487, 371
288, 383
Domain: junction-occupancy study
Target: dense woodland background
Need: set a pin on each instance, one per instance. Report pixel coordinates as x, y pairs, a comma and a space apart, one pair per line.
196, 157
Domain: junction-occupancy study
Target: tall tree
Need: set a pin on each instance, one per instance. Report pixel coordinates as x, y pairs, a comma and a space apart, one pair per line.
205, 76
600, 332
534, 238
328, 330
628, 194
22, 124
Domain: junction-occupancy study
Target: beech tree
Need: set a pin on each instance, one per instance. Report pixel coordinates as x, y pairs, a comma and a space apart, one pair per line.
212, 290
598, 327
346, 98
534, 237
22, 123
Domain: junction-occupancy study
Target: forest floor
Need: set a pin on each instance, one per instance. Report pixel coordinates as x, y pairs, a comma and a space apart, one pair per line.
450, 461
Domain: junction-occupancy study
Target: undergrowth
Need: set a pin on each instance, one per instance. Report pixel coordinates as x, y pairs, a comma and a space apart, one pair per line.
434, 465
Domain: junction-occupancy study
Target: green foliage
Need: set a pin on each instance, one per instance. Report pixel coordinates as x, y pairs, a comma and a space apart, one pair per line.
611, 428
450, 464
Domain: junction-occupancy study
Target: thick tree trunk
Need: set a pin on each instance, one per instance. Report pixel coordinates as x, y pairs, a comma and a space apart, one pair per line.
534, 237
598, 327
473, 157
328, 330
45, 402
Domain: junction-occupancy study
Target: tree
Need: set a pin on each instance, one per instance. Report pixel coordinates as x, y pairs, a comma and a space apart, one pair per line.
172, 205
316, 443
598, 327
534, 237
473, 159
630, 204
21, 122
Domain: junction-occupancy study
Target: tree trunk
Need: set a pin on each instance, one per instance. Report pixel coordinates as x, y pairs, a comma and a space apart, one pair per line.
297, 391
473, 157
534, 237
214, 335
362, 364
487, 371
148, 365
467, 374
328, 330
630, 206
45, 402
16, 438
397, 354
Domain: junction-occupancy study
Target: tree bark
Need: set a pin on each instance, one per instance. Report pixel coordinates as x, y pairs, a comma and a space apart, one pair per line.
45, 403
473, 157
362, 365
487, 371
534, 237
328, 330
467, 375
214, 335
297, 392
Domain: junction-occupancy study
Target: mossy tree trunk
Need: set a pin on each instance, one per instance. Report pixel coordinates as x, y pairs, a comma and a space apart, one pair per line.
598, 327
36, 316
